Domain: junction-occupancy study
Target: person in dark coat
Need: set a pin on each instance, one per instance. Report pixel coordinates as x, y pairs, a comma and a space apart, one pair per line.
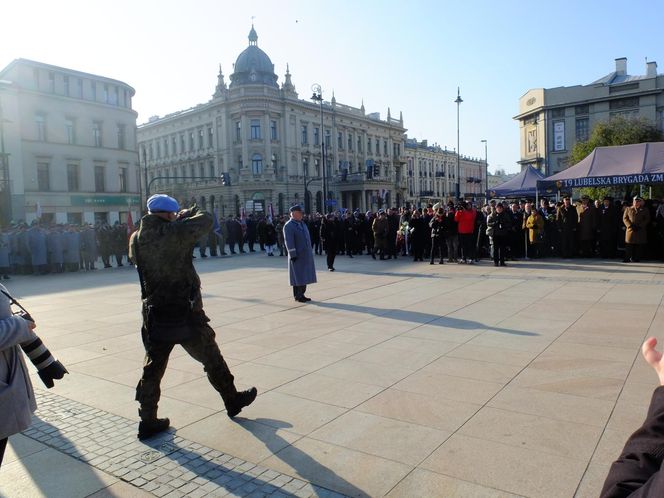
498, 229
251, 232
451, 234
269, 237
330, 235
567, 219
607, 228
639, 470
88, 247
301, 266
238, 235
381, 233
437, 239
350, 233
314, 233
260, 232
418, 235
105, 240
393, 223
636, 219
230, 240
119, 242
587, 227
161, 249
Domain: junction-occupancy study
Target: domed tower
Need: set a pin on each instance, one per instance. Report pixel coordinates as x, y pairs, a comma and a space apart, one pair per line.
253, 66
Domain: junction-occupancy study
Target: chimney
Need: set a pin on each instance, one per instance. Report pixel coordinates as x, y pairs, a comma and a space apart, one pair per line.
651, 69
621, 66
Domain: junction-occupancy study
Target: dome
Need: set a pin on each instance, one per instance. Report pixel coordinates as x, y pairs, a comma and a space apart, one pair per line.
253, 66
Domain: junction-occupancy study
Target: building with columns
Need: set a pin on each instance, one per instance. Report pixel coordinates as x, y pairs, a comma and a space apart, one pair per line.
267, 142
67, 146
431, 174
553, 120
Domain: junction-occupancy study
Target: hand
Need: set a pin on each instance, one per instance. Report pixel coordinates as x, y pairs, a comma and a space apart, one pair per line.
653, 357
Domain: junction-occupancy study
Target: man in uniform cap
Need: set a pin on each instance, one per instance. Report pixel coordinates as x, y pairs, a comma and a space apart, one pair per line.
301, 266
171, 289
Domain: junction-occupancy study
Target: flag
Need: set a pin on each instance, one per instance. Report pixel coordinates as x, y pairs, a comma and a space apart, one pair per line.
270, 211
130, 225
39, 210
216, 228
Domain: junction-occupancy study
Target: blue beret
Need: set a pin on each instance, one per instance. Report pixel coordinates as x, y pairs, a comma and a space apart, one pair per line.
163, 203
296, 207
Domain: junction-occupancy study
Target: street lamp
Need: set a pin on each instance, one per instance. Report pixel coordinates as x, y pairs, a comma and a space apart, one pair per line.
486, 172
317, 96
458, 165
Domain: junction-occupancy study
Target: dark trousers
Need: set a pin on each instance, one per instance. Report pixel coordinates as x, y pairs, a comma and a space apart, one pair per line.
467, 246
3, 445
436, 249
607, 248
202, 347
331, 255
567, 244
499, 249
298, 291
634, 252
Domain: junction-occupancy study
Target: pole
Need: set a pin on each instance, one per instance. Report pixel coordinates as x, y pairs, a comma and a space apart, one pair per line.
486, 173
322, 154
458, 164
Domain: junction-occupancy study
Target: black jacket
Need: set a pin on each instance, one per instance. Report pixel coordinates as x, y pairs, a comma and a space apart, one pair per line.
638, 471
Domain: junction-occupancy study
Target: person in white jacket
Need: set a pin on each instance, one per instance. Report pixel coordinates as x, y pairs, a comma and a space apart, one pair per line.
17, 399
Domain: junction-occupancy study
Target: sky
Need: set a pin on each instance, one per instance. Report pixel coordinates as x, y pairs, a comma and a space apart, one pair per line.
408, 56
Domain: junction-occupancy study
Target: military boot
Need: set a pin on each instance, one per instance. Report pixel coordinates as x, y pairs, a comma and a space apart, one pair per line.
242, 399
147, 428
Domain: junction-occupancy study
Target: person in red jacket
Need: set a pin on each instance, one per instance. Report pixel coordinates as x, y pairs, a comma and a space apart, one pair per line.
639, 471
465, 217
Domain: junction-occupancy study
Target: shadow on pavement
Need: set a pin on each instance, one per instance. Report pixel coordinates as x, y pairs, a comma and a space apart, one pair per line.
306, 467
422, 318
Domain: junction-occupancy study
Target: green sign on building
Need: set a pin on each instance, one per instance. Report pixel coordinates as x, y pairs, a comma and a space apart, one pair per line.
105, 200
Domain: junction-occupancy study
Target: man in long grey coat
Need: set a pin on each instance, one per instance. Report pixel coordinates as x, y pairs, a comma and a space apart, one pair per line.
301, 266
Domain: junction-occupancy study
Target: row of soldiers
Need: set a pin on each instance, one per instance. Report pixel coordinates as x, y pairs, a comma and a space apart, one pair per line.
56, 248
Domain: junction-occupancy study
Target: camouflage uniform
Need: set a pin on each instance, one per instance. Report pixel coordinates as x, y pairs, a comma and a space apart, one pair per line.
165, 259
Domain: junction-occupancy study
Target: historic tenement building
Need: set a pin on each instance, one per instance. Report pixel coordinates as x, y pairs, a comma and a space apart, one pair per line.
552, 120
68, 146
266, 142
431, 174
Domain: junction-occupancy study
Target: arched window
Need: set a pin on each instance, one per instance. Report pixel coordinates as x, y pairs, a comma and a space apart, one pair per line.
257, 164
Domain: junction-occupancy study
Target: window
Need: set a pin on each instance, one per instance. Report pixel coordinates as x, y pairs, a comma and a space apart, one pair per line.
51, 81
100, 180
255, 129
305, 133
238, 131
350, 142
340, 140
625, 103
182, 150
158, 149
328, 139
201, 139
124, 97
377, 147
191, 140
273, 130
93, 87
105, 97
96, 133
359, 143
43, 177
384, 147
192, 170
201, 169
174, 145
582, 110
122, 179
165, 147
123, 145
70, 133
66, 85
115, 96
558, 113
316, 136
368, 145
211, 167
257, 164
79, 88
72, 177
40, 121
582, 130
150, 152
210, 137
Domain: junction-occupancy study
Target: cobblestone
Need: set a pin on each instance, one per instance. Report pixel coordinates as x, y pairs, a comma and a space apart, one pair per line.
166, 466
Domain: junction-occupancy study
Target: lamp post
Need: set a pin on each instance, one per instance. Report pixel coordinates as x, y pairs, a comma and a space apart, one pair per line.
458, 165
317, 96
5, 186
486, 173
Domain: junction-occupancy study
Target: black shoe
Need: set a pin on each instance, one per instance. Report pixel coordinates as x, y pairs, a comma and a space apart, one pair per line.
373, 256
307, 299
331, 269
503, 264
147, 428
495, 264
431, 262
242, 399
301, 299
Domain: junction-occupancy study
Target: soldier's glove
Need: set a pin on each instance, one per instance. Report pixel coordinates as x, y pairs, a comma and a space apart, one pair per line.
55, 370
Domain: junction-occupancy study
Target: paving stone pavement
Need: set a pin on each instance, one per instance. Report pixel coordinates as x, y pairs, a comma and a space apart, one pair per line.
165, 465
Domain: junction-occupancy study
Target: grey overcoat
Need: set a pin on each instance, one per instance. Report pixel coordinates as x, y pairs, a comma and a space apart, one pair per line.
302, 271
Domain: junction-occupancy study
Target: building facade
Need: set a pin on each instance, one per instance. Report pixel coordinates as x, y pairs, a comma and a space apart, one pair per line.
552, 120
498, 178
267, 143
431, 174
68, 143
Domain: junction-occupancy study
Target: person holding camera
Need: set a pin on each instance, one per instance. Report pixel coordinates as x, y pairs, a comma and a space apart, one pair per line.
162, 251
636, 218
